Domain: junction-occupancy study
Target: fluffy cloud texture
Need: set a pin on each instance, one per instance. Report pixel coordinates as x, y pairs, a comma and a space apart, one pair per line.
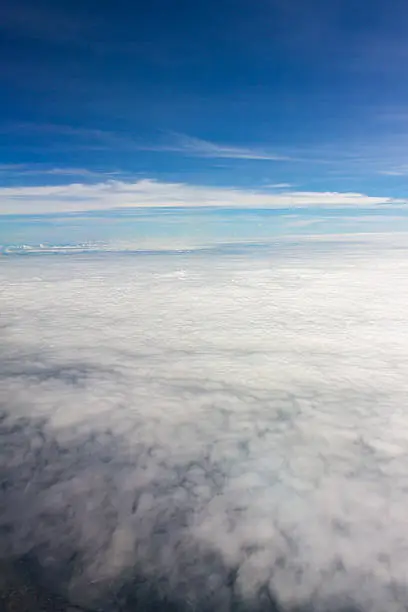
209, 432
151, 193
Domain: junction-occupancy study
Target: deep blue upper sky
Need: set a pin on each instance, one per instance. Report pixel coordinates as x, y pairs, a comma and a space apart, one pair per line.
244, 93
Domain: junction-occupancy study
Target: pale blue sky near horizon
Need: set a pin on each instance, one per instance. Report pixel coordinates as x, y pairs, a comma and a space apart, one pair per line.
185, 228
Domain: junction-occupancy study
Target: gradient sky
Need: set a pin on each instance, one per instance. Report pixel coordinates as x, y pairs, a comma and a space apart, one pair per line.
276, 96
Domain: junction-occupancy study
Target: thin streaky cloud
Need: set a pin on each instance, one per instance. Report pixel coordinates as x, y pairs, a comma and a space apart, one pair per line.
75, 172
61, 129
21, 171
279, 185
397, 171
80, 172
178, 143
198, 147
148, 193
80, 138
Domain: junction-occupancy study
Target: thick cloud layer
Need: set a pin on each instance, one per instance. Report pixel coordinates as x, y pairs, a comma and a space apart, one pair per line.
208, 432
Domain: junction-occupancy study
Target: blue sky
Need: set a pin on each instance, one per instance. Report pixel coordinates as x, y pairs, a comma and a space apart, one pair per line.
264, 98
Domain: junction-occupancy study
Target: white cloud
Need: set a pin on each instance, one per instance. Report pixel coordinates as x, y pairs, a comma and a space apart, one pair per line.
39, 170
150, 193
397, 171
279, 185
224, 428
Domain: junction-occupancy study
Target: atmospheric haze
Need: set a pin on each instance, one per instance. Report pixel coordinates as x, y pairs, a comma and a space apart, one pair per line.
209, 430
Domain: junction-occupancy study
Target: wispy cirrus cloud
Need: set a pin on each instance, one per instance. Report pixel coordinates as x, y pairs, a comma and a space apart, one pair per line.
63, 131
173, 142
359, 159
197, 147
23, 170
147, 193
279, 185
396, 171
73, 172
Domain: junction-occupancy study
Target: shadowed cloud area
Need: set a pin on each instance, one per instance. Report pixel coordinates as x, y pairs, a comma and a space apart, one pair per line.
207, 432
